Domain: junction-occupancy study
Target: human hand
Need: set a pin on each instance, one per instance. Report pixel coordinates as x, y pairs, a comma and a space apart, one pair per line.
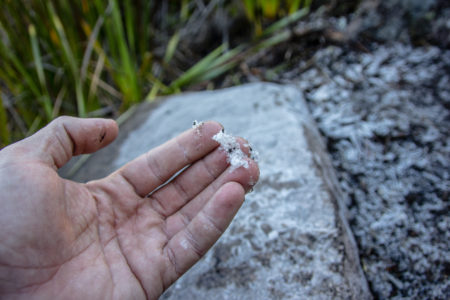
107, 238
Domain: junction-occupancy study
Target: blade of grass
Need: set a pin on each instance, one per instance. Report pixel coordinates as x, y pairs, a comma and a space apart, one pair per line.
307, 3
184, 11
36, 55
48, 107
96, 76
273, 40
286, 21
294, 5
253, 12
129, 22
153, 92
128, 81
250, 9
108, 88
58, 102
5, 137
270, 8
34, 126
94, 43
70, 59
147, 59
17, 121
157, 85
171, 47
90, 46
144, 30
217, 71
27, 77
222, 64
197, 69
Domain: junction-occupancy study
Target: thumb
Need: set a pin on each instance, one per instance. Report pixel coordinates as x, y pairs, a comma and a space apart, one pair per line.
65, 137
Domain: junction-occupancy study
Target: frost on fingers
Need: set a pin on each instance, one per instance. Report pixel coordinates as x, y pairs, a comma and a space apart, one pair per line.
235, 156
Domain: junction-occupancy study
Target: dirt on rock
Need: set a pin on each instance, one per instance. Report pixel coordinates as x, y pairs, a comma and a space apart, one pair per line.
385, 116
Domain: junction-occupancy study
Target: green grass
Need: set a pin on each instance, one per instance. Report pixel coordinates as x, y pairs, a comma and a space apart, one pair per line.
101, 57
260, 10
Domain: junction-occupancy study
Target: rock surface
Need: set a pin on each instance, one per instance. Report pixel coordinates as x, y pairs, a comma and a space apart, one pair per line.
290, 239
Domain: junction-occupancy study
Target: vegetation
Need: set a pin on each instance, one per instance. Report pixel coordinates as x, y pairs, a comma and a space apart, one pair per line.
100, 57
259, 10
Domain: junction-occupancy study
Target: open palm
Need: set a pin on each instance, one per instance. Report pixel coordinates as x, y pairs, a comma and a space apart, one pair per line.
118, 237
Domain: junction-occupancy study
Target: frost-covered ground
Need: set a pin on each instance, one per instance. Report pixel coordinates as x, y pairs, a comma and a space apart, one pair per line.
385, 115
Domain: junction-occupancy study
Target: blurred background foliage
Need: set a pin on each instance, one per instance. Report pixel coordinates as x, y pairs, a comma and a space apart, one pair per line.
98, 58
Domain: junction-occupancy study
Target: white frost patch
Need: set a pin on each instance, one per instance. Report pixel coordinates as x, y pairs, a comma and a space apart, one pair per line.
273, 235
196, 125
235, 156
254, 155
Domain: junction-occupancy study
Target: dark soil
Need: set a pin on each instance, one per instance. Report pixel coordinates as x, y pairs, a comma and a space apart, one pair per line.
386, 120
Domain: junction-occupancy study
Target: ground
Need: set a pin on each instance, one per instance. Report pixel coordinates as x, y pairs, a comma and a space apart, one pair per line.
386, 120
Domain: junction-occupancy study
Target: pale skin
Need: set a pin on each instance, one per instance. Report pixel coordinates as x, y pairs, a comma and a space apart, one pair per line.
108, 239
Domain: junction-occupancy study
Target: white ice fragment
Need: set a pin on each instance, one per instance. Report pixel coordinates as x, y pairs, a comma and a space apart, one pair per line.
254, 155
273, 235
196, 125
230, 145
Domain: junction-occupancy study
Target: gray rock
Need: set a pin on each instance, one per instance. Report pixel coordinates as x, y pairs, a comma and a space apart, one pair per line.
290, 239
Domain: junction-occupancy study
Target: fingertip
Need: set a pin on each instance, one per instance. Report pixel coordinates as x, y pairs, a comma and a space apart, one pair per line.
113, 124
225, 204
91, 135
215, 124
202, 134
253, 174
230, 191
211, 127
246, 176
112, 129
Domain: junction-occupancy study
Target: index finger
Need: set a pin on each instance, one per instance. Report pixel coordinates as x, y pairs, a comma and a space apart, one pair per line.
154, 168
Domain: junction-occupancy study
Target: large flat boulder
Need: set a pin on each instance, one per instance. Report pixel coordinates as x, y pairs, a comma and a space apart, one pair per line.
290, 240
